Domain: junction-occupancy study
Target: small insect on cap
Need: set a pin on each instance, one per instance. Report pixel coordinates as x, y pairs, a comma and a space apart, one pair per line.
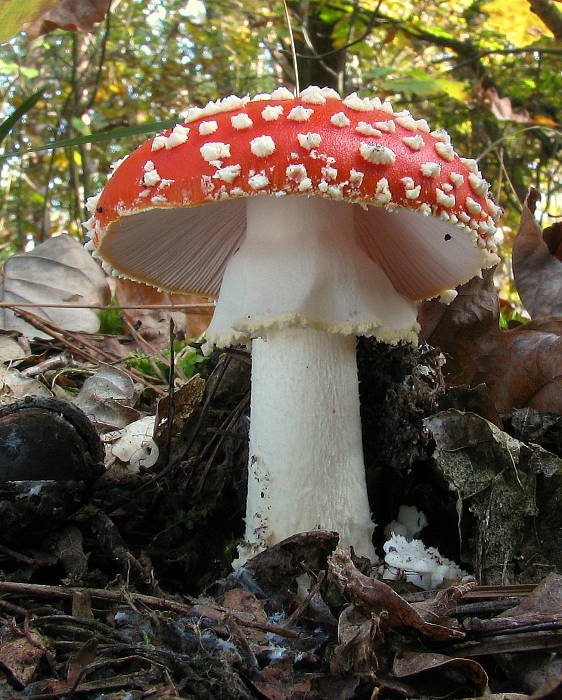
175, 210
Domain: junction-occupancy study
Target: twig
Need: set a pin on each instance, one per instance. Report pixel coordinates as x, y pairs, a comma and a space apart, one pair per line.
60, 334
151, 349
242, 646
171, 394
16, 555
197, 308
63, 359
49, 328
218, 613
298, 611
514, 590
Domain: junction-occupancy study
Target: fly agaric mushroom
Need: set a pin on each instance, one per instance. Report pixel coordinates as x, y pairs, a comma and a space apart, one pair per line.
320, 219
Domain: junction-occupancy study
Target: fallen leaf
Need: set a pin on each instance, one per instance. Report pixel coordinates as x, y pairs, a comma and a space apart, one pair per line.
58, 271
537, 270
278, 682
107, 398
441, 607
67, 545
20, 654
377, 597
546, 598
75, 15
14, 385
494, 476
134, 445
275, 569
411, 663
155, 323
552, 236
14, 13
551, 690
355, 652
186, 399
522, 367
79, 661
541, 610
248, 608
10, 349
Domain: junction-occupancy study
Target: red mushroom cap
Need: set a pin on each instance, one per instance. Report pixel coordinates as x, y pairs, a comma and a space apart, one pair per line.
356, 149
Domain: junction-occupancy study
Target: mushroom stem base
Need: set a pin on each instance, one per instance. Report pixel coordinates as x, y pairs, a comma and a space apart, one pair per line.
306, 467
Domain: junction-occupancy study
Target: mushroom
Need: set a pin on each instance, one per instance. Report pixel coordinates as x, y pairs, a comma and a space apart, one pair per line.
319, 219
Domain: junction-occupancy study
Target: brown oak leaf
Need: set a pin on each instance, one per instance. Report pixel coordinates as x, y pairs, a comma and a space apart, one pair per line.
521, 367
537, 264
191, 318
75, 15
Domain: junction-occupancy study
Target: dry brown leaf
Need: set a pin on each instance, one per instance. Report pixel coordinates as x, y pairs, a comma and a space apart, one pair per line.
444, 604
10, 349
537, 269
502, 108
14, 13
79, 661
58, 271
278, 682
410, 663
545, 599
154, 323
248, 608
521, 367
276, 568
66, 545
553, 238
186, 399
75, 15
355, 652
20, 654
107, 398
376, 596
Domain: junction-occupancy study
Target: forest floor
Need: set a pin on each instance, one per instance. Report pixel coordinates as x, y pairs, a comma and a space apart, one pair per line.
117, 583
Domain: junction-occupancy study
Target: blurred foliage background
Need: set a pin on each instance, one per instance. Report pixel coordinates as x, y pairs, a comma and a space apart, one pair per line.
487, 71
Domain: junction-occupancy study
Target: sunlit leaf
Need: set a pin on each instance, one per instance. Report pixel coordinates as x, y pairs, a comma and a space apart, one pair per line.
418, 83
74, 15
12, 68
409, 86
515, 20
112, 135
454, 88
14, 13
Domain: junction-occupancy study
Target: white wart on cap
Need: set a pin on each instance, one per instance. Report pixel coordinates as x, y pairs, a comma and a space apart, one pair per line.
426, 216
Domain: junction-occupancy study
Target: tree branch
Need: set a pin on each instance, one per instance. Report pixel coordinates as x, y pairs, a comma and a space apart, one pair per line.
550, 15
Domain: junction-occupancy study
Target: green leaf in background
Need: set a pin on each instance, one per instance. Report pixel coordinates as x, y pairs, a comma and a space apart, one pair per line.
420, 83
111, 135
18, 113
15, 13
12, 68
456, 89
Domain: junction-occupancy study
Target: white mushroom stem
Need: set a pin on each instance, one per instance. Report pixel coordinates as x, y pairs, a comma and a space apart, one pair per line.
306, 466
303, 288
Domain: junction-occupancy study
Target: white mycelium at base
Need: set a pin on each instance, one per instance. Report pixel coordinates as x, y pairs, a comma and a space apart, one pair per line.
306, 466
